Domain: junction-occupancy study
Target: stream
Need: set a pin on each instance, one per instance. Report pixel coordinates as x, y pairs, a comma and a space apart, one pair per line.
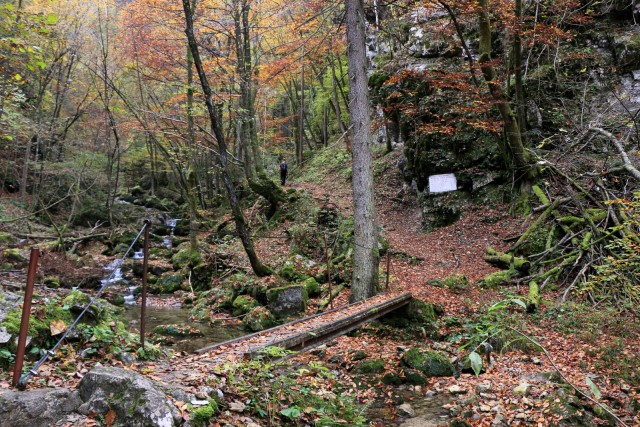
428, 411
156, 316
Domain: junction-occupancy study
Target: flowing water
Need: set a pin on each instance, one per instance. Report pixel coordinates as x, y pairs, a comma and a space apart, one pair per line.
156, 316
428, 411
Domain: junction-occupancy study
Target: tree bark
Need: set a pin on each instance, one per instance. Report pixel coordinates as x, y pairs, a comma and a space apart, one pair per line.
511, 129
366, 255
259, 269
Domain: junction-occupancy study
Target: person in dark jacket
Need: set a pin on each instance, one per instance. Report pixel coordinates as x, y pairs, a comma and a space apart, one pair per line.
283, 172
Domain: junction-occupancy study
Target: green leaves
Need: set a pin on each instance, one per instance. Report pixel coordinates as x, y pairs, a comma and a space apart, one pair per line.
505, 303
594, 388
293, 412
51, 19
476, 362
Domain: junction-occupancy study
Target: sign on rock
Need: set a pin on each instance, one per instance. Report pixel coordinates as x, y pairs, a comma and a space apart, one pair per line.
442, 183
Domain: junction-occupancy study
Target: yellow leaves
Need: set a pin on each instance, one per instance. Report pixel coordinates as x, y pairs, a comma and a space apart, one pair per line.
57, 327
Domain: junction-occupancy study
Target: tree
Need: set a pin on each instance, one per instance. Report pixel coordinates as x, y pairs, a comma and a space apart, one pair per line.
241, 226
366, 255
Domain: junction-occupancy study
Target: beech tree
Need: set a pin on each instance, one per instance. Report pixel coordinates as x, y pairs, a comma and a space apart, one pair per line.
366, 256
241, 226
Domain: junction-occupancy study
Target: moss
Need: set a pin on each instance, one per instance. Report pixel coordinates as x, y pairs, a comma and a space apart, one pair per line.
169, 283
76, 301
15, 256
243, 304
258, 319
52, 282
312, 287
185, 257
203, 414
391, 379
177, 331
499, 277
6, 266
414, 377
430, 363
416, 312
7, 239
375, 366
456, 282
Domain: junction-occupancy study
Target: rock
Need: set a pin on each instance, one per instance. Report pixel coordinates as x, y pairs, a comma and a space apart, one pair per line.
16, 257
237, 406
375, 366
312, 287
485, 408
430, 363
37, 408
77, 301
523, 389
499, 421
134, 399
5, 336
484, 387
258, 319
287, 300
456, 389
405, 410
244, 304
455, 410
536, 361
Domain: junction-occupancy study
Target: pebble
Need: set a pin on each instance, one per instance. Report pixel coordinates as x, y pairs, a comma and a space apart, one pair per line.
521, 416
536, 361
485, 408
484, 387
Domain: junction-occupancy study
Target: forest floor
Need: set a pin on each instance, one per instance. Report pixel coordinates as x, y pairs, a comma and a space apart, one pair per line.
579, 343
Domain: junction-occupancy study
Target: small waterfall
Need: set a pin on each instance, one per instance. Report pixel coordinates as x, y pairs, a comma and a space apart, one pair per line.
138, 254
115, 276
168, 241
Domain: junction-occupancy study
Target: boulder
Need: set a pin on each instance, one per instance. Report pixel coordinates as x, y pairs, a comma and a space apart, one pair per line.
134, 399
287, 300
430, 363
258, 319
37, 408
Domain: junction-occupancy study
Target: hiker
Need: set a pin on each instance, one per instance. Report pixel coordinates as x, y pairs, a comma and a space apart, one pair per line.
283, 172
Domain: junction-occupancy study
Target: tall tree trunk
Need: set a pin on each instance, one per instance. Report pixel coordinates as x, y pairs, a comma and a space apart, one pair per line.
366, 255
241, 226
517, 70
191, 169
521, 165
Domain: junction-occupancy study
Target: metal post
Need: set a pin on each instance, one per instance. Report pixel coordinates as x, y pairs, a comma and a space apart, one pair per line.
26, 311
388, 267
326, 254
145, 266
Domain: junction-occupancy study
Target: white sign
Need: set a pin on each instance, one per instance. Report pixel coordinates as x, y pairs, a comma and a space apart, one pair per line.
442, 183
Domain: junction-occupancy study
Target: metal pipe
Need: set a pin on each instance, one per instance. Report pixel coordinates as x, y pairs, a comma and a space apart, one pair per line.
26, 312
145, 267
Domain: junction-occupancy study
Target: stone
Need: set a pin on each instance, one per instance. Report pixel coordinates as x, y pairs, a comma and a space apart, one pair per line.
37, 408
485, 408
258, 319
499, 421
456, 389
406, 410
134, 399
523, 389
430, 363
484, 387
455, 410
5, 336
287, 300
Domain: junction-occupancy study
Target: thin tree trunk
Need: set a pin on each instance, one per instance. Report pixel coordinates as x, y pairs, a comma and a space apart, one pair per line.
366, 256
514, 139
241, 227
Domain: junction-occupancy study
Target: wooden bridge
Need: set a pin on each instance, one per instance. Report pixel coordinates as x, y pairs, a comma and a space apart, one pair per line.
309, 332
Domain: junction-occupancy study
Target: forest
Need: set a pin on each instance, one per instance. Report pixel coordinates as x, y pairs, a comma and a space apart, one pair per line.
179, 176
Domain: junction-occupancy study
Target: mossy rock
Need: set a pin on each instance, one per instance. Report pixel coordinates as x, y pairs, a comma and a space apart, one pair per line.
430, 363
168, 283
7, 239
287, 300
201, 277
177, 331
375, 366
456, 282
258, 319
313, 287
6, 266
414, 377
76, 301
243, 304
185, 257
52, 282
16, 257
416, 312
289, 273
391, 379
